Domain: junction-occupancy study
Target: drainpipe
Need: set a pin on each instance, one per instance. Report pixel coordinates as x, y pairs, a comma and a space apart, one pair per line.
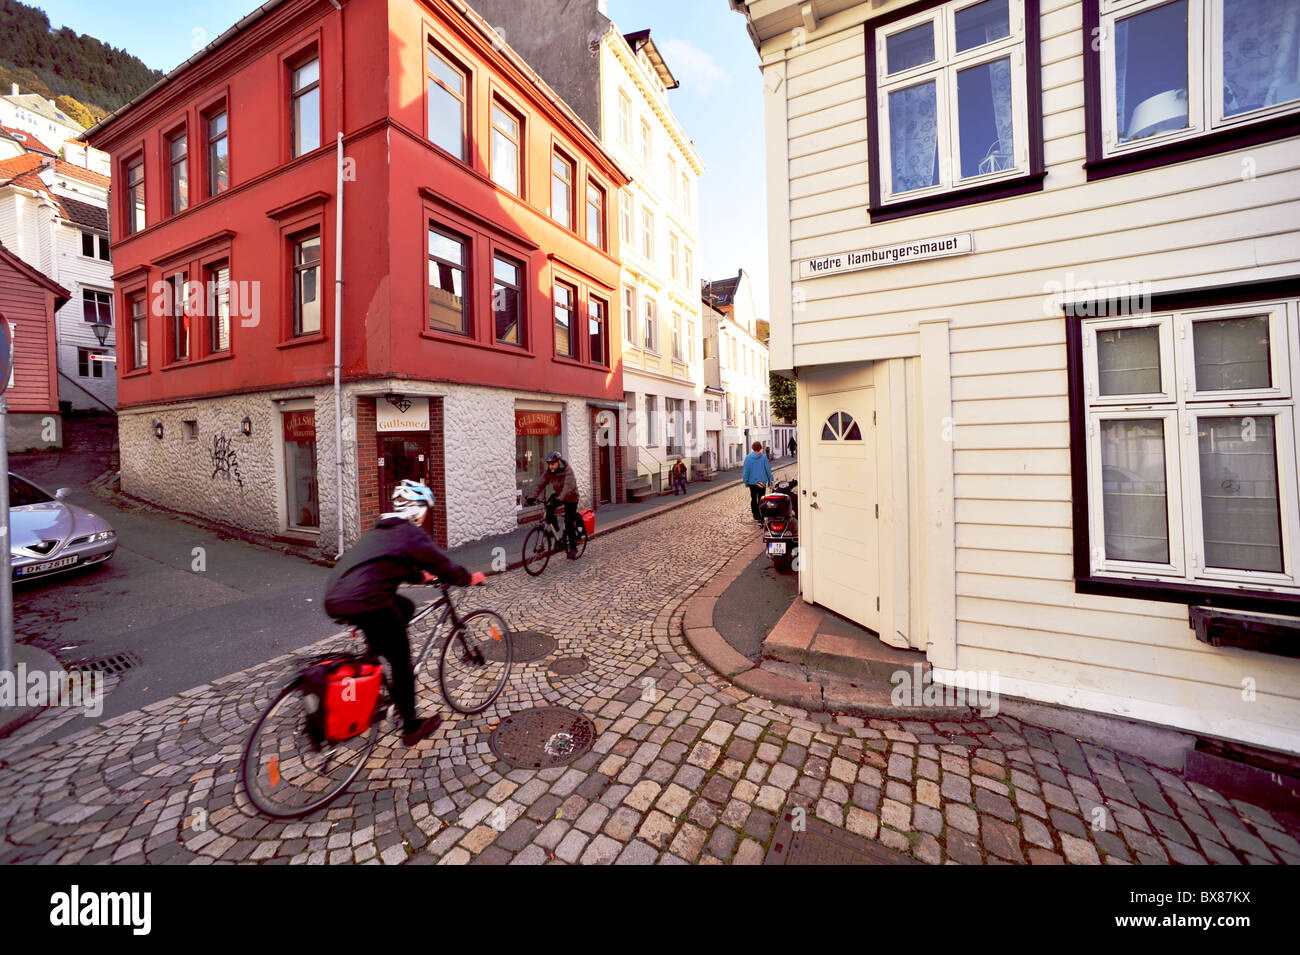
338, 302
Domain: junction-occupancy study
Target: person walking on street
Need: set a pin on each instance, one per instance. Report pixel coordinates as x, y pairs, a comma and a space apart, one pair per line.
678, 475
792, 445
757, 475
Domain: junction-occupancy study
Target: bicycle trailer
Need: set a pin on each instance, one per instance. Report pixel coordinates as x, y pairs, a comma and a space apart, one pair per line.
340, 696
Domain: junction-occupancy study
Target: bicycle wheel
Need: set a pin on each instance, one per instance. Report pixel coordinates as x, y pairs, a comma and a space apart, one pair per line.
285, 773
475, 662
580, 539
537, 550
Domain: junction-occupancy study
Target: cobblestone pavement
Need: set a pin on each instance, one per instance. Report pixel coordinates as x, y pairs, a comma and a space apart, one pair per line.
696, 771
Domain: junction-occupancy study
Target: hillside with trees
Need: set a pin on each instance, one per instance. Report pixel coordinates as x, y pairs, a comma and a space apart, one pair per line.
87, 79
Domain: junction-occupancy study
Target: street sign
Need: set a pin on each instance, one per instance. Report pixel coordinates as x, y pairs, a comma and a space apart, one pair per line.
6, 354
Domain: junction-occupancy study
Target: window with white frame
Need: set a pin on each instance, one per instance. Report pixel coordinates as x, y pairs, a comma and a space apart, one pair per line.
689, 267
651, 325
625, 216
624, 119
648, 234
672, 176
677, 337
646, 143
1191, 446
951, 98
674, 255
1175, 70
629, 313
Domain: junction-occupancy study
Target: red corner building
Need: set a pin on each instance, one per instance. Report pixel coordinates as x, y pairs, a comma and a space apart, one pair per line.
470, 300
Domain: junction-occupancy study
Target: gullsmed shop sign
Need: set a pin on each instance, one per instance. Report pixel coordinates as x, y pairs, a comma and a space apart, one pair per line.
960, 243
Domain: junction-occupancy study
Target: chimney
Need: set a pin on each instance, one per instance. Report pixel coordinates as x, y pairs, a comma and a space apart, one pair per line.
13, 89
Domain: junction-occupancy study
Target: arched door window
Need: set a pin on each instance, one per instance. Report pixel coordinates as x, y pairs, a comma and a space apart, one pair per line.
841, 427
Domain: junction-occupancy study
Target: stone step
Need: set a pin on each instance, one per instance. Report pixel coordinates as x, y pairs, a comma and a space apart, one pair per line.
828, 691
806, 636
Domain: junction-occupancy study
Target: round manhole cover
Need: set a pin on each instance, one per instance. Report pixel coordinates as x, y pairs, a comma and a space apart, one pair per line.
542, 737
529, 645
567, 666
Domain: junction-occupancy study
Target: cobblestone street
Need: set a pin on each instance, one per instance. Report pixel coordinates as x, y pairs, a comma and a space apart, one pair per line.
686, 769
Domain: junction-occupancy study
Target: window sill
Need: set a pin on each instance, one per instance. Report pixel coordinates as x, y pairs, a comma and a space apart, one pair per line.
450, 338
1260, 633
205, 360
1001, 189
1197, 147
303, 340
570, 360
1185, 593
136, 372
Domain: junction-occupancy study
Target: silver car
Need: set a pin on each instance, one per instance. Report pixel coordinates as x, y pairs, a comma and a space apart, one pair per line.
48, 536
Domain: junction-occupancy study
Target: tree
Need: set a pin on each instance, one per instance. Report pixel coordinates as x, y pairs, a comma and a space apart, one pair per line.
783, 397
75, 110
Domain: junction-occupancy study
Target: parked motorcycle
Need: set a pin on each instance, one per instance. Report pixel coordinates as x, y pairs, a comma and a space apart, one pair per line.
780, 512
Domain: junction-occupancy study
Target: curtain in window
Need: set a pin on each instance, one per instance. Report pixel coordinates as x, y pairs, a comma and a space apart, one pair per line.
1000, 80
1261, 54
1121, 75
914, 137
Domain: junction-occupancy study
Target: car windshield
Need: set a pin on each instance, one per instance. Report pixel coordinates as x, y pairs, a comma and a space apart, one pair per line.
20, 493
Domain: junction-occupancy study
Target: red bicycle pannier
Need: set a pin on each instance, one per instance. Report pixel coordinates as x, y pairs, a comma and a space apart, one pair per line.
346, 692
589, 521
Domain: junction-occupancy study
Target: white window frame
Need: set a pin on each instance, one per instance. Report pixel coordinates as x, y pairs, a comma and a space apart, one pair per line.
624, 119
650, 326
627, 215
1182, 411
647, 144
674, 255
648, 234
943, 72
1204, 80
629, 313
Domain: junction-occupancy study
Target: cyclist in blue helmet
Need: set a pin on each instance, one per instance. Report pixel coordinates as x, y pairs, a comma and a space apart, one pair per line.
362, 591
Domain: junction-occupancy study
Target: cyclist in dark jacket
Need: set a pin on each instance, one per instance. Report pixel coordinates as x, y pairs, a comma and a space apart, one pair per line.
362, 591
558, 476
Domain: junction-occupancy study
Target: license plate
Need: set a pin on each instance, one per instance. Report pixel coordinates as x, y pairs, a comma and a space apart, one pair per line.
48, 565
776, 547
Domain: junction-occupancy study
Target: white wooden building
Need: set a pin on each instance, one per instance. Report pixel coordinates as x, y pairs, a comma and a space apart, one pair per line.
743, 367
1036, 264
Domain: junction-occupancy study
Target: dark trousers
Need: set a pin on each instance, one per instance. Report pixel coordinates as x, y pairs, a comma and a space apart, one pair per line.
679, 483
755, 492
385, 631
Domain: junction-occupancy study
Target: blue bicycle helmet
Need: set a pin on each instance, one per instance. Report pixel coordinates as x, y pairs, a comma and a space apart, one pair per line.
412, 500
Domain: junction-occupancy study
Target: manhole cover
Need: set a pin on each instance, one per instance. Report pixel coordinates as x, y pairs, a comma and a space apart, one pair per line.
542, 737
819, 843
567, 666
117, 663
530, 645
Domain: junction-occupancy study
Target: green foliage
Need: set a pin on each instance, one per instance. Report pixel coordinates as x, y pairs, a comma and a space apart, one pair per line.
63, 62
783, 397
74, 109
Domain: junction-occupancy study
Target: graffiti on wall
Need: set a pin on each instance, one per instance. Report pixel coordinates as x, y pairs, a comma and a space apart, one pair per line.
225, 460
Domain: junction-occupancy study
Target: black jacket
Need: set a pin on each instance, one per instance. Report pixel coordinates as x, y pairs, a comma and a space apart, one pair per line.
394, 551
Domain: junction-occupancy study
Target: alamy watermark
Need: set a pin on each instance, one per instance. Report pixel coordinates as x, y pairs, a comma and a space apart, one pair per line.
1096, 299
977, 689
77, 689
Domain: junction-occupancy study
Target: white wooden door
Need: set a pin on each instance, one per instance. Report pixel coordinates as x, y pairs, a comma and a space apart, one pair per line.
841, 507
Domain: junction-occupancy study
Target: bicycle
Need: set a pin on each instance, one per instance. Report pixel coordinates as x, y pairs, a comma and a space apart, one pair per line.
546, 538
287, 773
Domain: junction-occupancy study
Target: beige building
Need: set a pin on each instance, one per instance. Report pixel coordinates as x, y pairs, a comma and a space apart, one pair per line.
1036, 264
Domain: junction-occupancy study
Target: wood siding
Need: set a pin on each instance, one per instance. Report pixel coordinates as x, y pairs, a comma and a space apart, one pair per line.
1195, 224
30, 309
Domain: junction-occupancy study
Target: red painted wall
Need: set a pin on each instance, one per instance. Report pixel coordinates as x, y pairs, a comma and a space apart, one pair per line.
29, 305
372, 59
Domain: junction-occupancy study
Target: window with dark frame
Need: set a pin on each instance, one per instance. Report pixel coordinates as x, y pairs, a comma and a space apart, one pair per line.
97, 306
1187, 463
507, 149
562, 190
954, 97
305, 111
139, 331
447, 85
178, 173
595, 215
507, 299
566, 302
448, 268
597, 331
218, 153
217, 296
306, 283
135, 220
1177, 79
180, 320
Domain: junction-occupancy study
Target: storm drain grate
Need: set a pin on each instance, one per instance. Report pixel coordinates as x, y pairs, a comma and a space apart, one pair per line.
542, 737
568, 666
117, 663
529, 645
815, 842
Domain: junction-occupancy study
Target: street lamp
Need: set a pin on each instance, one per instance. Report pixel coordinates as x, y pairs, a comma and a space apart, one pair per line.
101, 330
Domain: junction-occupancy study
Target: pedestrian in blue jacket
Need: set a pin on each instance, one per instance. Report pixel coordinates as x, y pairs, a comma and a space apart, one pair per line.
757, 475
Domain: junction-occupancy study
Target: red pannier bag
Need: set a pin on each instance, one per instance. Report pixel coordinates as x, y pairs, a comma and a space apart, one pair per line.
345, 694
589, 521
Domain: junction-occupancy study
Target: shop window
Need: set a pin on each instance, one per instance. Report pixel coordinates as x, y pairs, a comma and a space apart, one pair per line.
302, 497
537, 434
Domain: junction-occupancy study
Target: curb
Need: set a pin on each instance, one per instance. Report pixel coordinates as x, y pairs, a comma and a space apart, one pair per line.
702, 635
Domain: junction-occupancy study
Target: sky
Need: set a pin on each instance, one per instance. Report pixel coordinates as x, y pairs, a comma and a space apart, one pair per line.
719, 102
